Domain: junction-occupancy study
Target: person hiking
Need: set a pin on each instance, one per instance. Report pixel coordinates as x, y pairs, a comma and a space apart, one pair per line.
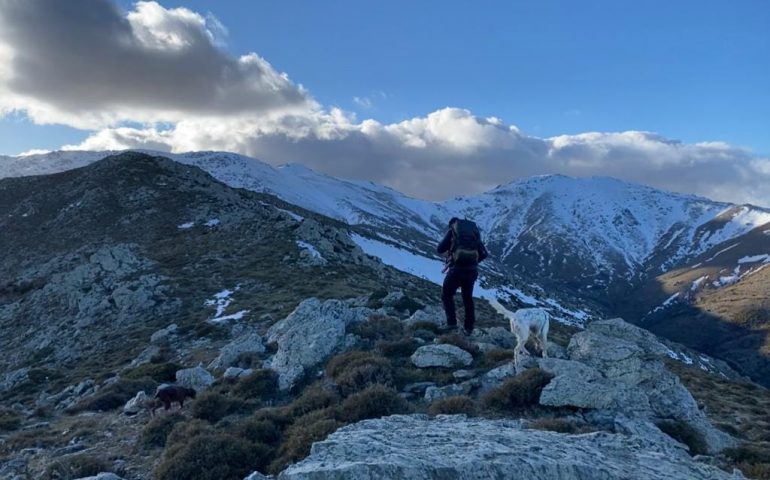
464, 250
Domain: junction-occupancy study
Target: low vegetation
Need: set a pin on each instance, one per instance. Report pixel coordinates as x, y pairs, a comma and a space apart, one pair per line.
519, 392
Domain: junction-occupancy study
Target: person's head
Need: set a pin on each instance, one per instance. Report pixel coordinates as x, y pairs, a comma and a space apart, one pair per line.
452, 221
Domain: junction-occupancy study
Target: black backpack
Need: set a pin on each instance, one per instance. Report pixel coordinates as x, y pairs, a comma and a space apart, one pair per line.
465, 243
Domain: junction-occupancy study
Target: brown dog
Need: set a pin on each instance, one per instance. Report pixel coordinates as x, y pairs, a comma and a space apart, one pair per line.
172, 393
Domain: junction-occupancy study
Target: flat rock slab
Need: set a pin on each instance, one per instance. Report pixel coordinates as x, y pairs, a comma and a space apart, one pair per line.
443, 355
458, 448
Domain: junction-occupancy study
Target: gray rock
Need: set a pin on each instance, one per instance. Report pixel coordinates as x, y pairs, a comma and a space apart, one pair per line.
197, 378
456, 447
495, 377
102, 476
418, 387
437, 393
14, 378
309, 335
257, 476
235, 372
442, 355
463, 374
498, 336
556, 351
247, 341
618, 367
137, 404
430, 314
486, 347
163, 336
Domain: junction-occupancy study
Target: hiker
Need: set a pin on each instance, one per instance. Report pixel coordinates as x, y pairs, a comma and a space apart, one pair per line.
464, 250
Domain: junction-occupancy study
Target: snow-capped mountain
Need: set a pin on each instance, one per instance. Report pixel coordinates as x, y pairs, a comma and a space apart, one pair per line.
593, 237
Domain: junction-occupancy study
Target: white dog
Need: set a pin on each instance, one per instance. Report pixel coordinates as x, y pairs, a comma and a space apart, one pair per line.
523, 322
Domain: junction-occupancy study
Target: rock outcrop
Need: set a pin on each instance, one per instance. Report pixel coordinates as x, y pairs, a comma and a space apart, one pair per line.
443, 355
617, 367
197, 378
456, 447
247, 340
309, 335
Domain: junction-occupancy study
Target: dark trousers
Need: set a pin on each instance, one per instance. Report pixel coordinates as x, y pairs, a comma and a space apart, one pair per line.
463, 279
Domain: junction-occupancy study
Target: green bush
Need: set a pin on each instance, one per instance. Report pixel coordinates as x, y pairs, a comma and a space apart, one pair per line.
183, 431
258, 430
403, 347
157, 430
307, 430
749, 453
378, 328
74, 467
521, 391
315, 397
160, 372
460, 342
116, 395
374, 402
212, 457
683, 432
262, 384
408, 304
213, 406
355, 370
453, 406
9, 419
424, 325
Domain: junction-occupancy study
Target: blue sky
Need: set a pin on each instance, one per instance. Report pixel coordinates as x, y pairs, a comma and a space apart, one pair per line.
688, 71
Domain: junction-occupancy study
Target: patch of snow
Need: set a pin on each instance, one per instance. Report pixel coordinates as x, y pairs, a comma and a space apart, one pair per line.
310, 248
234, 316
185, 226
665, 304
293, 215
696, 265
765, 258
698, 282
221, 301
212, 222
726, 280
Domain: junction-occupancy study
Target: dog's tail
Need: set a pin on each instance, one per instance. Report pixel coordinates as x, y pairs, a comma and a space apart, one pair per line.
498, 307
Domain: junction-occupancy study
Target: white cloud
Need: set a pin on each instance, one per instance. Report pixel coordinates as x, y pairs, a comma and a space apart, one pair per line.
89, 65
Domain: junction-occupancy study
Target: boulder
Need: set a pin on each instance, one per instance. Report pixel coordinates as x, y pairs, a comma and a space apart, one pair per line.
443, 355
430, 314
618, 367
235, 372
437, 393
309, 335
102, 476
460, 448
140, 402
197, 378
247, 341
163, 336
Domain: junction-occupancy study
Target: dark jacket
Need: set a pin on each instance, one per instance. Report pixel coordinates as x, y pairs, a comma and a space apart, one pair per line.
446, 244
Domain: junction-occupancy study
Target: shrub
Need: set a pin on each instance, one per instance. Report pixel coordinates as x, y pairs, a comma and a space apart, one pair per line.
499, 355
9, 419
213, 406
315, 397
280, 416
160, 372
353, 371
408, 304
560, 425
373, 402
683, 432
258, 431
403, 347
453, 406
378, 328
115, 395
301, 436
246, 360
212, 457
523, 390
183, 431
155, 433
75, 466
748, 453
261, 384
424, 325
458, 341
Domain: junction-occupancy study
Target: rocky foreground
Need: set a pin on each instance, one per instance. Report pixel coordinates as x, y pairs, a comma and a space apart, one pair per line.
459, 448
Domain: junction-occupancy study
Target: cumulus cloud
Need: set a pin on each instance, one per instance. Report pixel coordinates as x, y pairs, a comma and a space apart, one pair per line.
451, 152
87, 64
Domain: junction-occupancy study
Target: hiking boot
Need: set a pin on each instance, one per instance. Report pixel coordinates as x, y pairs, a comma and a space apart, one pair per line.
464, 332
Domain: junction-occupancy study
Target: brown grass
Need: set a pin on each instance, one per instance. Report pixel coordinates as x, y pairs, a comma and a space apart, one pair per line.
521, 391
